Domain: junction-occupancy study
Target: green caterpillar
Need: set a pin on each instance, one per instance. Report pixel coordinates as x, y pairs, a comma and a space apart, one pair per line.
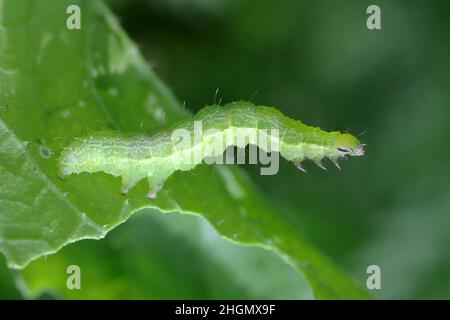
158, 156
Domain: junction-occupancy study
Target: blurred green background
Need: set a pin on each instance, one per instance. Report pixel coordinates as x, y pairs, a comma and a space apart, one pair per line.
317, 61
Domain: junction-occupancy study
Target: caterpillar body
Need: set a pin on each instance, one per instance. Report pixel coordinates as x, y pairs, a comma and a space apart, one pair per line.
158, 156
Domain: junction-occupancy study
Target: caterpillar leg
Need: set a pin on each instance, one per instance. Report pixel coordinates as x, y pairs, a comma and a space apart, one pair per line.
128, 182
155, 186
336, 163
298, 165
320, 165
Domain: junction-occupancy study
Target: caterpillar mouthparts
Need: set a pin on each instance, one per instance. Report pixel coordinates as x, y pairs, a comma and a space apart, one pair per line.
359, 150
204, 136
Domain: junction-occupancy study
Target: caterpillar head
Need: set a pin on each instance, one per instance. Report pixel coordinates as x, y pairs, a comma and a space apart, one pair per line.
347, 144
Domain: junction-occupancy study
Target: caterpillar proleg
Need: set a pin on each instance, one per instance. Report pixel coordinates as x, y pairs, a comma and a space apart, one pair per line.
207, 134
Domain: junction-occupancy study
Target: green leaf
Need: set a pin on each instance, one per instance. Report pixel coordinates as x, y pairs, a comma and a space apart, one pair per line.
171, 256
57, 84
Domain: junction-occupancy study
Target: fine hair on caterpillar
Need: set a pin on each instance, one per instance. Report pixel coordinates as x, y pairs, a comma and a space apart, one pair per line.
204, 138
